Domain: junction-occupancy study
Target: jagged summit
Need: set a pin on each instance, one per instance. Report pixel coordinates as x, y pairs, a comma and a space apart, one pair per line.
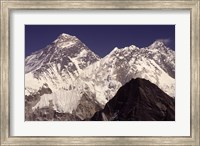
65, 41
131, 47
158, 43
65, 38
65, 35
156, 46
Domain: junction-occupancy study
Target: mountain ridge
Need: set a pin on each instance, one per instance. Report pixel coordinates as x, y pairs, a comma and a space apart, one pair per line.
72, 71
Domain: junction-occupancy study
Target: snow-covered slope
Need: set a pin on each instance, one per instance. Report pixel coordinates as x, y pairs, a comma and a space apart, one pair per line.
121, 65
162, 55
71, 70
58, 64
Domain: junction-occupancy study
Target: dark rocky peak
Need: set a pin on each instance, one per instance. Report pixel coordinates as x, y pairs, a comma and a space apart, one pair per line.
138, 100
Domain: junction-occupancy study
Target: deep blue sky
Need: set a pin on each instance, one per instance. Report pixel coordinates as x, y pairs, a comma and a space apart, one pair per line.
101, 39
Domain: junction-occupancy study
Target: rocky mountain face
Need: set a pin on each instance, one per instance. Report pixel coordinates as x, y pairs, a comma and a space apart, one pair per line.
57, 64
138, 100
81, 83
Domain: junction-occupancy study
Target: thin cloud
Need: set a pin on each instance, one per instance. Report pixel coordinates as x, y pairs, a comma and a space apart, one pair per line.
165, 41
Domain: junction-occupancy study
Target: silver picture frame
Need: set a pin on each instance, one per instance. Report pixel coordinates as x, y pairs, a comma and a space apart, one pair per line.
7, 6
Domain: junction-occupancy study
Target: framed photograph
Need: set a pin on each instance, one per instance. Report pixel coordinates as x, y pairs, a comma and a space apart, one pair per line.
100, 72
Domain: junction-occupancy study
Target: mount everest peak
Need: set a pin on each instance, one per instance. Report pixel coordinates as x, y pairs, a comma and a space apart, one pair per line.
75, 74
58, 63
65, 47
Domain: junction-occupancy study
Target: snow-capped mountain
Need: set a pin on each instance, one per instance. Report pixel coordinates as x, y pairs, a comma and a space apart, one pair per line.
58, 64
162, 55
76, 75
121, 65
